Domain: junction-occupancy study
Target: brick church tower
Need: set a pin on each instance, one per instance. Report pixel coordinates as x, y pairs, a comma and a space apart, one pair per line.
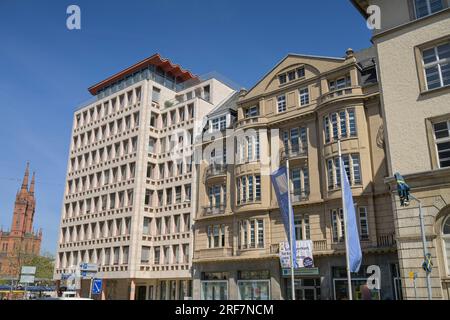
21, 240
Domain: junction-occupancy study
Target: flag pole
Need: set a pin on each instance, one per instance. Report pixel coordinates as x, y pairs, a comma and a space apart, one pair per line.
344, 210
291, 234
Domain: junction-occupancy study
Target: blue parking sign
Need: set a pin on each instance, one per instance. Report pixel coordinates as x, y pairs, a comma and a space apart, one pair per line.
97, 286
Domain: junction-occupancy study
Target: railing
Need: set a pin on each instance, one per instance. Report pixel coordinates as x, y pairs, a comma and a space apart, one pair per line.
386, 240
216, 170
293, 152
213, 210
337, 93
251, 120
209, 253
320, 245
303, 196
180, 100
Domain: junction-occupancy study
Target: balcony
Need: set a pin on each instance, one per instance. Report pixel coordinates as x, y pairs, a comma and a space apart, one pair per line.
215, 170
299, 197
251, 121
293, 153
340, 93
212, 253
213, 210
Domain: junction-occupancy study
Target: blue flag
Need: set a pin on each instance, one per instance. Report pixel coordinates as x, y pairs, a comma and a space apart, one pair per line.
354, 247
280, 184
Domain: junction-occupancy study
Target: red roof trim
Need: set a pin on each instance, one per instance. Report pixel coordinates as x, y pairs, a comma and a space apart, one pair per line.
156, 60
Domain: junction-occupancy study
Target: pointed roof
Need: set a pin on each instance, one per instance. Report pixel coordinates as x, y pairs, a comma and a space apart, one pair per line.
32, 183
25, 178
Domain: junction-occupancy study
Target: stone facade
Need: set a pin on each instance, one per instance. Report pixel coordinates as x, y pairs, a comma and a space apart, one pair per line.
412, 49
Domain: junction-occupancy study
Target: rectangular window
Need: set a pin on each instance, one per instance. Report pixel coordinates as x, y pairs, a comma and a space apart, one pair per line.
296, 181
244, 188
326, 127
307, 228
250, 188
352, 122
146, 227
257, 187
300, 72
363, 223
356, 169
157, 255
304, 96
334, 224
282, 78
298, 229
436, 63
427, 7
281, 103
330, 174
260, 233
294, 140
291, 75
252, 112
145, 254
343, 123
442, 139
334, 124
252, 233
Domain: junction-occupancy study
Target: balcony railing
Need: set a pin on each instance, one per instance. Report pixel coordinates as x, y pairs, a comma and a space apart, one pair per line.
338, 93
210, 253
214, 210
299, 197
293, 152
216, 170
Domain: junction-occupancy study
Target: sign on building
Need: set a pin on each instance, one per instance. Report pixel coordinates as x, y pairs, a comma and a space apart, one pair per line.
304, 254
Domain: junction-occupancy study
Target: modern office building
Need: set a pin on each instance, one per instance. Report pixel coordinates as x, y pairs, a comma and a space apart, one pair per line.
297, 111
127, 203
413, 59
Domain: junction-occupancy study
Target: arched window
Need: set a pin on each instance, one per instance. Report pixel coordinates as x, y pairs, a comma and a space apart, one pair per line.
446, 239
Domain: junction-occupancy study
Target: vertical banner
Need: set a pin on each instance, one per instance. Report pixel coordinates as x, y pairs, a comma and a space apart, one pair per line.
280, 184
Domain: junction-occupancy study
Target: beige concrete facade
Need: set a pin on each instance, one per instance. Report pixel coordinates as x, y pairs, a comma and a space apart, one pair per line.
129, 196
410, 46
238, 226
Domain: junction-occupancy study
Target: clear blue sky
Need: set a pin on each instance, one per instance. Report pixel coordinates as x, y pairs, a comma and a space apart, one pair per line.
45, 69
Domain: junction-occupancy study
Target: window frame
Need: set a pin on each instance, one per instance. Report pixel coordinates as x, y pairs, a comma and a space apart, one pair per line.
283, 102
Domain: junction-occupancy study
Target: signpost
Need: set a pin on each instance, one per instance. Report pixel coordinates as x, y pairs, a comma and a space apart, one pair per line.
88, 271
27, 276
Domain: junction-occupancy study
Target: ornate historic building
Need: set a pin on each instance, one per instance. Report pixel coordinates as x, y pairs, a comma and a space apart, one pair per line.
20, 240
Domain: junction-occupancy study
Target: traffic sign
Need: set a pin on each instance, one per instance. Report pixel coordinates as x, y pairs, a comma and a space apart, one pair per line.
28, 270
97, 286
90, 267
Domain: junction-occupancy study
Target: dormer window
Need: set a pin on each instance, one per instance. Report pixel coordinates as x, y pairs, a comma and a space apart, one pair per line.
424, 8
301, 72
339, 83
219, 123
292, 75
252, 112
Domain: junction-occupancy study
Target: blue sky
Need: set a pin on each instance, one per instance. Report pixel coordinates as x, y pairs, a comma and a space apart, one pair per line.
45, 69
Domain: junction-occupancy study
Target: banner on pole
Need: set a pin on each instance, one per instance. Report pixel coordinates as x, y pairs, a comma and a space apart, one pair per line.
304, 256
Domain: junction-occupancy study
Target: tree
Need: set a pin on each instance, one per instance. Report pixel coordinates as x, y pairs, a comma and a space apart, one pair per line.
44, 264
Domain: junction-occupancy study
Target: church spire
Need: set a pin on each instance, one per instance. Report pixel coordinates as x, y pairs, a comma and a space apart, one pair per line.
32, 184
25, 178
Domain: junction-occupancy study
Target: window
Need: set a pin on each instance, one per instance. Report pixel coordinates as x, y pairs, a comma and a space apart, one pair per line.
337, 220
257, 187
157, 255
304, 96
363, 223
148, 197
214, 290
252, 112
216, 236
291, 75
302, 228
219, 123
436, 63
426, 7
248, 188
145, 254
352, 169
254, 228
282, 78
339, 83
442, 139
342, 125
446, 240
300, 72
146, 227
281, 103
